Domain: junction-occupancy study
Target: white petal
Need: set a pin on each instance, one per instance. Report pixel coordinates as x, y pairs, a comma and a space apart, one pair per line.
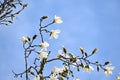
57, 31
57, 19
91, 67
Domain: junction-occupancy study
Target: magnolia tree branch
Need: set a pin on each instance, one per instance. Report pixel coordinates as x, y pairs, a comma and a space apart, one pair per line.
9, 9
68, 60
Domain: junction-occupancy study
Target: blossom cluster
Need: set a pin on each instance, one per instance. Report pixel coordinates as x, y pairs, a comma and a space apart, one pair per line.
67, 58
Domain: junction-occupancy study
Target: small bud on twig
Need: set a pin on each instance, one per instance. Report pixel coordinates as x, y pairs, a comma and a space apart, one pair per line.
82, 50
94, 51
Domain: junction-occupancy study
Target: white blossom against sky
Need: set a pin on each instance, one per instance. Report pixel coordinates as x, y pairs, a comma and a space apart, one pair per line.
86, 23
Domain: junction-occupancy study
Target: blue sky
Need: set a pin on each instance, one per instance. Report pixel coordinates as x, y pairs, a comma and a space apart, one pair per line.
86, 23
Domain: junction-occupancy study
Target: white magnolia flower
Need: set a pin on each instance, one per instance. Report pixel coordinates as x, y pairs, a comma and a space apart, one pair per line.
37, 77
56, 70
108, 70
54, 33
118, 78
53, 77
44, 45
43, 54
64, 68
88, 68
57, 20
59, 70
24, 39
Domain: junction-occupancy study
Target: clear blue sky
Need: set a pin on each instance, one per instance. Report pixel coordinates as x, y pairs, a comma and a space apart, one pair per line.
86, 23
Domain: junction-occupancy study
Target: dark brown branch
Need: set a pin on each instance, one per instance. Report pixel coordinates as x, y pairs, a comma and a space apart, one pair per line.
8, 10
43, 62
26, 64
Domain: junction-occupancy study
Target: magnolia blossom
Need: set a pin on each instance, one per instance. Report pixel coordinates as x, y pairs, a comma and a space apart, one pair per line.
44, 45
59, 70
24, 39
56, 70
88, 68
57, 20
118, 78
37, 77
53, 77
108, 70
43, 54
54, 33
